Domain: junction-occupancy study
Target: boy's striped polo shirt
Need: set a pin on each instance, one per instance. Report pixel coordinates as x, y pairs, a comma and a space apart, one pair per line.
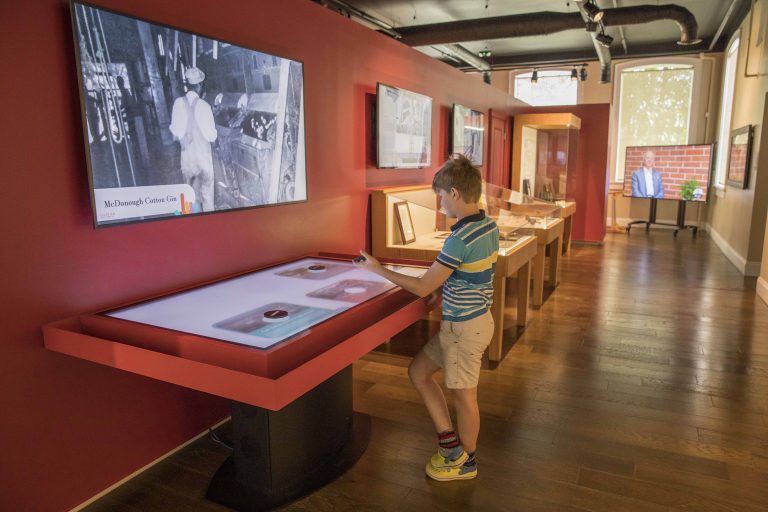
470, 251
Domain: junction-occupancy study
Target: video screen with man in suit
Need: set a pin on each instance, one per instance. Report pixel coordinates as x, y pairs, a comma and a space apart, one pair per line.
668, 172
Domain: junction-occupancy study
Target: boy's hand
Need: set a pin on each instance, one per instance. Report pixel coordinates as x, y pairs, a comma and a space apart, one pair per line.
367, 262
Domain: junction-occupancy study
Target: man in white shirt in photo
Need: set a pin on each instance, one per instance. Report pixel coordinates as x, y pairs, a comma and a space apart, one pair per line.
646, 181
193, 126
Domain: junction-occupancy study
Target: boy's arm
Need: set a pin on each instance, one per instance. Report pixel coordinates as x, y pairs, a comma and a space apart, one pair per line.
421, 286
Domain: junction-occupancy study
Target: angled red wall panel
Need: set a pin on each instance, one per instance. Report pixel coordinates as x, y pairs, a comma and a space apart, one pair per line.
72, 428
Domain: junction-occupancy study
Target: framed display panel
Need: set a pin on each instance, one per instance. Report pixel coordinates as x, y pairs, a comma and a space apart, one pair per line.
668, 172
468, 133
405, 222
403, 128
177, 123
739, 157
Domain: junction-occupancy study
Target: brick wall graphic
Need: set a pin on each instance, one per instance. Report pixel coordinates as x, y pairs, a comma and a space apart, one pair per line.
737, 165
678, 165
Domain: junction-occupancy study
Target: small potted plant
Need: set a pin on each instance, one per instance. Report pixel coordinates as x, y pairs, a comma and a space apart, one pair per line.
689, 189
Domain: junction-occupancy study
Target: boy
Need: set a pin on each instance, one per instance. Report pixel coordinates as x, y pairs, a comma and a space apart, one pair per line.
465, 268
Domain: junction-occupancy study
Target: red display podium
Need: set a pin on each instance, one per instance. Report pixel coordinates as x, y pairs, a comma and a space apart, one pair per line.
290, 383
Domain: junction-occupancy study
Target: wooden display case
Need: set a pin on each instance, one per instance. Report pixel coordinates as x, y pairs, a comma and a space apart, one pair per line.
431, 229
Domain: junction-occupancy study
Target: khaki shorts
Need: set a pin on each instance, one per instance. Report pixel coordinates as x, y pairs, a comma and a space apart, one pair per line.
458, 349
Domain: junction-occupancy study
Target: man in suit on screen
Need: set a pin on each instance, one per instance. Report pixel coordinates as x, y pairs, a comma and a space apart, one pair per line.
646, 181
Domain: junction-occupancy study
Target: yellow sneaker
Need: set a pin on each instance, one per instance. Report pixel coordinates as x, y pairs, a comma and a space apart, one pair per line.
447, 474
455, 458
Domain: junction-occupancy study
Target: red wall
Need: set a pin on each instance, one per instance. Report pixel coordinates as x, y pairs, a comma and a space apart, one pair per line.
589, 183
72, 428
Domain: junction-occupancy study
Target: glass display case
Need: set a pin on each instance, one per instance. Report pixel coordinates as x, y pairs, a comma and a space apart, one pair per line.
514, 212
548, 162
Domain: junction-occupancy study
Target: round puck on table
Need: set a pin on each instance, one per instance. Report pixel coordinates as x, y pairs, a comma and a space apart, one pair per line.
355, 289
316, 268
275, 315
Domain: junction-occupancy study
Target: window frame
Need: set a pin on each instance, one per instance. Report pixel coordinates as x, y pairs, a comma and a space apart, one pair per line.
722, 129
696, 131
566, 70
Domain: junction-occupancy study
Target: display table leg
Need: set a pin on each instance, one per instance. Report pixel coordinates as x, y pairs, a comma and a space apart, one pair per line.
555, 255
538, 277
567, 229
497, 311
523, 289
280, 456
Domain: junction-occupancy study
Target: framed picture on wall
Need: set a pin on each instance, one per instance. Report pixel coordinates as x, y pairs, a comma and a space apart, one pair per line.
739, 157
404, 222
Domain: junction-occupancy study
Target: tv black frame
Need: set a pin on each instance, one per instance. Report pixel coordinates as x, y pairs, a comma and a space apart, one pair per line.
452, 128
709, 174
84, 126
379, 85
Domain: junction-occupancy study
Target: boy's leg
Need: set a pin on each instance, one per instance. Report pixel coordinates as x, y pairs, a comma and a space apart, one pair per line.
420, 371
467, 417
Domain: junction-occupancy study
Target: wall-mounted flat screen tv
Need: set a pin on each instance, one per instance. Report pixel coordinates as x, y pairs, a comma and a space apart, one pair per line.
668, 172
176, 123
404, 128
468, 133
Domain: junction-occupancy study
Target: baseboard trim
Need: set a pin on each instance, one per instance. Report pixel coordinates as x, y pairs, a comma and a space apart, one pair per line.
748, 268
762, 289
141, 470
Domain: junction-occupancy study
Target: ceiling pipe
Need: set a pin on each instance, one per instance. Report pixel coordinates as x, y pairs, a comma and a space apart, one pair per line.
544, 23
621, 31
453, 51
351, 11
467, 56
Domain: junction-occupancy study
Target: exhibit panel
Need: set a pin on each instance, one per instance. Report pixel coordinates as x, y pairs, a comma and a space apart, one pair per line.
176, 123
468, 133
403, 128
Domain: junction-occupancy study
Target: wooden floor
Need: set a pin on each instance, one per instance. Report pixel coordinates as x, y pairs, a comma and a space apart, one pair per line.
640, 385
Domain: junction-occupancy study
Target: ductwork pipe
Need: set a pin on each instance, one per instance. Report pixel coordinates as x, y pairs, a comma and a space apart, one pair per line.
544, 23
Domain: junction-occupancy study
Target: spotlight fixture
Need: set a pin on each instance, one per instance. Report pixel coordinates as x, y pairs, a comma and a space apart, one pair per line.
574, 74
583, 74
484, 54
605, 75
591, 26
594, 13
534, 77
604, 39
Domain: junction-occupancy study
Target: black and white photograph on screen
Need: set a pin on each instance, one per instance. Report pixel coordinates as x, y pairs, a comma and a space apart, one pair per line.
404, 128
468, 132
169, 114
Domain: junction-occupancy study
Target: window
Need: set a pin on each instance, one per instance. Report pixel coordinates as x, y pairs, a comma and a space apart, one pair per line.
726, 109
553, 87
654, 108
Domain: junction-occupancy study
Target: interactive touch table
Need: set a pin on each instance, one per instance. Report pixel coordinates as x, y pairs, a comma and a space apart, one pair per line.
279, 342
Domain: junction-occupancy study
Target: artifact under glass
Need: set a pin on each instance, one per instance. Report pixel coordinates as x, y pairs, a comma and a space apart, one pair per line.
515, 213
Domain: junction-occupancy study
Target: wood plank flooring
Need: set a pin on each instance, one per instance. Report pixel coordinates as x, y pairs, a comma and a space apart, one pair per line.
640, 385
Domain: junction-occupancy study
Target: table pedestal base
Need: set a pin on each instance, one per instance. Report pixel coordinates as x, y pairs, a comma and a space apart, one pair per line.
281, 456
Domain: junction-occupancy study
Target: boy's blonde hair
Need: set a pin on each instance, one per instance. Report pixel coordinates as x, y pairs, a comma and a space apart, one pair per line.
459, 173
